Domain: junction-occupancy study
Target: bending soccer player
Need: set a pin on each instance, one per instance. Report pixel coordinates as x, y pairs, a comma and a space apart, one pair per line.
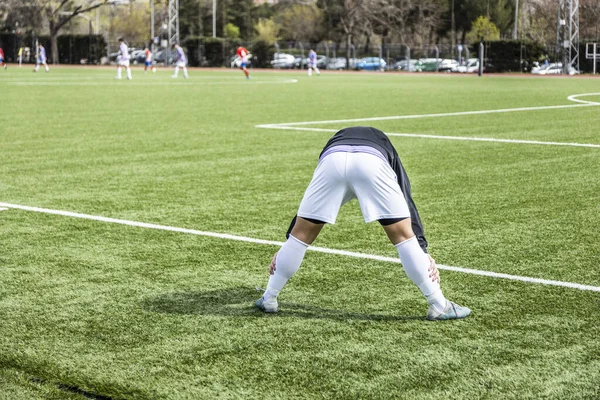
41, 59
242, 53
362, 163
123, 60
180, 62
2, 63
312, 63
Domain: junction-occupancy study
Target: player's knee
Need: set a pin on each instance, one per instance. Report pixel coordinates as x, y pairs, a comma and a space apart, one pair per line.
306, 229
397, 229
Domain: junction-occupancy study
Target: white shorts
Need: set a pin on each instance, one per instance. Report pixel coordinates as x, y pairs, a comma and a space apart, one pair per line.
124, 63
180, 64
341, 177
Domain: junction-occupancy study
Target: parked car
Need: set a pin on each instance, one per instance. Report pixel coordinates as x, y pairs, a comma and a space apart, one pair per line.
430, 64
553, 69
283, 60
471, 66
447, 65
372, 64
162, 55
339, 63
403, 65
138, 57
236, 61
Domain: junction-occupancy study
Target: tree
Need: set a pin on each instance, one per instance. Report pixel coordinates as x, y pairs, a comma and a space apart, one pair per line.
232, 31
301, 22
483, 28
267, 30
59, 12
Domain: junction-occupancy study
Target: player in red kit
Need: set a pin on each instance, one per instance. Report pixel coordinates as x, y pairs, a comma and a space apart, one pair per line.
242, 53
2, 63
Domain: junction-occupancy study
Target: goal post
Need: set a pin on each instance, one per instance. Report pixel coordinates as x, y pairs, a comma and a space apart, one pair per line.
592, 51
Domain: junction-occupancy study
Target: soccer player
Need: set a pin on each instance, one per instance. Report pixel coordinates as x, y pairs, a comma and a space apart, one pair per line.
180, 62
242, 53
2, 63
123, 59
148, 63
362, 163
312, 63
41, 59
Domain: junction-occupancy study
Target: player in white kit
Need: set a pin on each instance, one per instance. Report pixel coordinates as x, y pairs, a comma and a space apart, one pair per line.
312, 63
361, 162
123, 59
180, 62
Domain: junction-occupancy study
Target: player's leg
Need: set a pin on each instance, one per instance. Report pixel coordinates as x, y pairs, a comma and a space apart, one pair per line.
118, 71
245, 70
309, 70
185, 72
46, 67
317, 70
176, 72
128, 69
321, 203
37, 66
381, 198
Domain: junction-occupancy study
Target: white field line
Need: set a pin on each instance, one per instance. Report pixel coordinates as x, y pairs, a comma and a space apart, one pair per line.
146, 83
437, 115
3, 209
296, 126
226, 236
443, 137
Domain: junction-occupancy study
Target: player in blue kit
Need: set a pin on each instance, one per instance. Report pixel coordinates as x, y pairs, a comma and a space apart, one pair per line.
41, 59
312, 63
180, 62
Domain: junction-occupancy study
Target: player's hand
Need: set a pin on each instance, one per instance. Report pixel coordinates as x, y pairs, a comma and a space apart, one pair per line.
434, 273
273, 267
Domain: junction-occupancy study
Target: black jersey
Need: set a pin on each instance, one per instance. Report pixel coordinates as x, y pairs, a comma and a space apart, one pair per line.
367, 136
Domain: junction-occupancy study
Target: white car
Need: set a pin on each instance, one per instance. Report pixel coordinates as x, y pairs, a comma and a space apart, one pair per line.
283, 60
553, 69
470, 67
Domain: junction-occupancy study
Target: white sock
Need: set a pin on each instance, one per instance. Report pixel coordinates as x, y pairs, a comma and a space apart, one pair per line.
416, 265
176, 71
37, 66
119, 73
128, 73
288, 261
47, 68
317, 71
309, 71
185, 75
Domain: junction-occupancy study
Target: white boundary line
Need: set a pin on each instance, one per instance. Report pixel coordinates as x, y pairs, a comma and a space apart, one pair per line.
227, 236
442, 137
150, 83
296, 126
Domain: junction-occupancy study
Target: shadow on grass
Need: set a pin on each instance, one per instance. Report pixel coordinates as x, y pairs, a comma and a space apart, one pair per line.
239, 302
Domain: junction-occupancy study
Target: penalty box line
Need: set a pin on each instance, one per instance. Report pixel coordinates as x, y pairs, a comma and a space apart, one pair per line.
227, 236
301, 126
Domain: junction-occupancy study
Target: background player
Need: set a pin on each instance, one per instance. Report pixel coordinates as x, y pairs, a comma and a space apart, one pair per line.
123, 60
180, 62
312, 63
41, 59
148, 63
2, 63
242, 53
362, 163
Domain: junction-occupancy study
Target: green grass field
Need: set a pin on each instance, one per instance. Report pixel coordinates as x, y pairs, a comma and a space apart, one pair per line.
92, 309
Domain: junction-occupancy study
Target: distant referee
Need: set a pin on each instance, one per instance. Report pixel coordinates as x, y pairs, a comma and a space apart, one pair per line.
361, 162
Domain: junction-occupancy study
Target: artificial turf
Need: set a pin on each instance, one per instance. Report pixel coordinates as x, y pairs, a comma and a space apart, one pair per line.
90, 309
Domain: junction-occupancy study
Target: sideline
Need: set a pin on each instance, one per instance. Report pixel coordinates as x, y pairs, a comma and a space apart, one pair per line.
227, 236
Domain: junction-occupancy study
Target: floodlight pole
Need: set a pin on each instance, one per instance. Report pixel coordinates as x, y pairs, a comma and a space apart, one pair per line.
214, 18
515, 32
152, 27
173, 26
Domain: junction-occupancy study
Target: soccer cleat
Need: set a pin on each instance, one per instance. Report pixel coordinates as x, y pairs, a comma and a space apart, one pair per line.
452, 311
268, 306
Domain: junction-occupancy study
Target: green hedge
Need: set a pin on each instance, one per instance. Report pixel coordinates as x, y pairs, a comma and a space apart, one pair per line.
217, 52
511, 55
71, 48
